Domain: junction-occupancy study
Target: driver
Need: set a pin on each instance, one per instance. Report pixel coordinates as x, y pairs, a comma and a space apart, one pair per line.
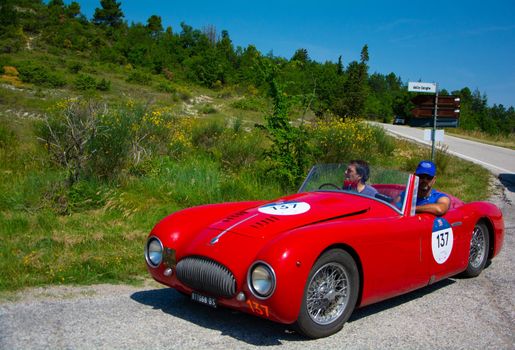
429, 200
356, 175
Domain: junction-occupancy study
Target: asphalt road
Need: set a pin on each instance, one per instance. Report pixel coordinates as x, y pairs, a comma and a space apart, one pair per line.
497, 159
455, 313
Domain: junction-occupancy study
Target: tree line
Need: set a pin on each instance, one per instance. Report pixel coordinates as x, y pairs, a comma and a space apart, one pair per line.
208, 58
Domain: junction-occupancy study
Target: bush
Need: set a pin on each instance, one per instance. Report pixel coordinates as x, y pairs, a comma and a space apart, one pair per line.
334, 140
91, 141
74, 67
166, 87
39, 75
207, 109
104, 85
183, 93
138, 77
237, 150
85, 82
205, 135
67, 135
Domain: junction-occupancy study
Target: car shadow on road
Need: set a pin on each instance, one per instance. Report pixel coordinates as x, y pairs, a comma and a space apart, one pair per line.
397, 301
247, 328
250, 329
508, 181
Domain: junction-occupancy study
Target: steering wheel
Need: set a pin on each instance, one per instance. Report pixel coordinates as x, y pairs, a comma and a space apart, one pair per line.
329, 185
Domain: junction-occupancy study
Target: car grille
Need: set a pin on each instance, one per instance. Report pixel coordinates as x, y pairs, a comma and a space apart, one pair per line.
205, 275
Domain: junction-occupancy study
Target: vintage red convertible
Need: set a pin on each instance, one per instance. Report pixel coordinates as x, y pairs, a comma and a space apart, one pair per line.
309, 259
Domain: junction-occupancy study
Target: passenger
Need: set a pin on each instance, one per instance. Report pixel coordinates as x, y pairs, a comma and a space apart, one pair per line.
356, 176
429, 200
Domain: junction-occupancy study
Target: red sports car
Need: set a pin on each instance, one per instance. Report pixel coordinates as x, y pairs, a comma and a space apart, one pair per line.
309, 259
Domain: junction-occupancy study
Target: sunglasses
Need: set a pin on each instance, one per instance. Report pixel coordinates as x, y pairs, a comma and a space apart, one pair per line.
425, 177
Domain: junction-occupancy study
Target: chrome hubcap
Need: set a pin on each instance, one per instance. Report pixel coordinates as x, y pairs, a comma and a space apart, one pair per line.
327, 294
477, 247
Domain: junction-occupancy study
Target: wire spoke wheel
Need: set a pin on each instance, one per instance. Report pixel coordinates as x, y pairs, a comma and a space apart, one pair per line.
478, 254
477, 247
327, 294
330, 294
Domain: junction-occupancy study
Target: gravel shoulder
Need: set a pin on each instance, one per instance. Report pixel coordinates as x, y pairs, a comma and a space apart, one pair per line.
452, 314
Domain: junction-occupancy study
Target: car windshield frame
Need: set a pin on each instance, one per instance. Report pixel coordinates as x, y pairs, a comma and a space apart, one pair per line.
389, 183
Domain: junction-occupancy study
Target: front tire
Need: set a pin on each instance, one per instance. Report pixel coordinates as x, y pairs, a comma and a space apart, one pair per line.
330, 294
479, 245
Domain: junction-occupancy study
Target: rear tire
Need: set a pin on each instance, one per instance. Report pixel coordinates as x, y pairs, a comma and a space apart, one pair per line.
479, 247
330, 294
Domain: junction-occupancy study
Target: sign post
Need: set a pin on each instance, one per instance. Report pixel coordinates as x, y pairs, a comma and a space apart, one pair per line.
434, 126
430, 88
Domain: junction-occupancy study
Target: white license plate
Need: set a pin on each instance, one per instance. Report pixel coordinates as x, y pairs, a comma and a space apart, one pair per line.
203, 299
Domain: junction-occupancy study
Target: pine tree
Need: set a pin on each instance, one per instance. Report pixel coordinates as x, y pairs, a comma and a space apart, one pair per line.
110, 14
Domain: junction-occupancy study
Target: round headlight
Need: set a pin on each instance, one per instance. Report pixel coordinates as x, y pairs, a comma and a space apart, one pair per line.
154, 252
261, 280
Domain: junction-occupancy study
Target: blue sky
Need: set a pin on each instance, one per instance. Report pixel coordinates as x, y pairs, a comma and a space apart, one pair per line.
452, 43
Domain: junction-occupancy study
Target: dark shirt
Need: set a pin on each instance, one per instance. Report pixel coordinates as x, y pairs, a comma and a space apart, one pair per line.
367, 191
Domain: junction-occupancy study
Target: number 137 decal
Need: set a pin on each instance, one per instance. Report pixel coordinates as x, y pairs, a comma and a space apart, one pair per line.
441, 240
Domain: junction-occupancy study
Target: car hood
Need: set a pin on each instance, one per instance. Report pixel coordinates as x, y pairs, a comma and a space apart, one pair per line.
288, 213
236, 239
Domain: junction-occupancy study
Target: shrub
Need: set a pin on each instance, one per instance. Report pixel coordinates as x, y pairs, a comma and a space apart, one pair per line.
10, 70
39, 75
104, 85
11, 76
237, 150
74, 67
85, 82
67, 134
181, 138
166, 87
334, 140
207, 109
168, 74
183, 93
138, 77
206, 134
288, 153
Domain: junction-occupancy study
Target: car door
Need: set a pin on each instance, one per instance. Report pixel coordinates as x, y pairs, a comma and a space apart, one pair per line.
394, 253
444, 248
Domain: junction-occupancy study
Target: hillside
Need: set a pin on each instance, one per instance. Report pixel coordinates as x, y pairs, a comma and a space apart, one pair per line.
55, 45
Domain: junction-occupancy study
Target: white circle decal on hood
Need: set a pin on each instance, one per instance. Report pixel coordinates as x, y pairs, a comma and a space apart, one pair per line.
285, 208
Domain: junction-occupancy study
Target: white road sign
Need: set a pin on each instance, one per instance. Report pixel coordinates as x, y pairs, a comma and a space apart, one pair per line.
421, 87
438, 136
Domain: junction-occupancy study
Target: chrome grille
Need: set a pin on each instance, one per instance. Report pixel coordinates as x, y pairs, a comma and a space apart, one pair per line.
205, 275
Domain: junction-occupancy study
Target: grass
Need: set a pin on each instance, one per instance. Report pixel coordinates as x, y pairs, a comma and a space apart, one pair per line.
451, 171
97, 241
103, 242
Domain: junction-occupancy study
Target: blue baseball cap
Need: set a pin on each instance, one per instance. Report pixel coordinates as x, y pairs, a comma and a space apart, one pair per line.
426, 167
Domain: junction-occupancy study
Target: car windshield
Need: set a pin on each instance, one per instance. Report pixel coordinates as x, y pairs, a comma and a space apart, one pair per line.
389, 183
